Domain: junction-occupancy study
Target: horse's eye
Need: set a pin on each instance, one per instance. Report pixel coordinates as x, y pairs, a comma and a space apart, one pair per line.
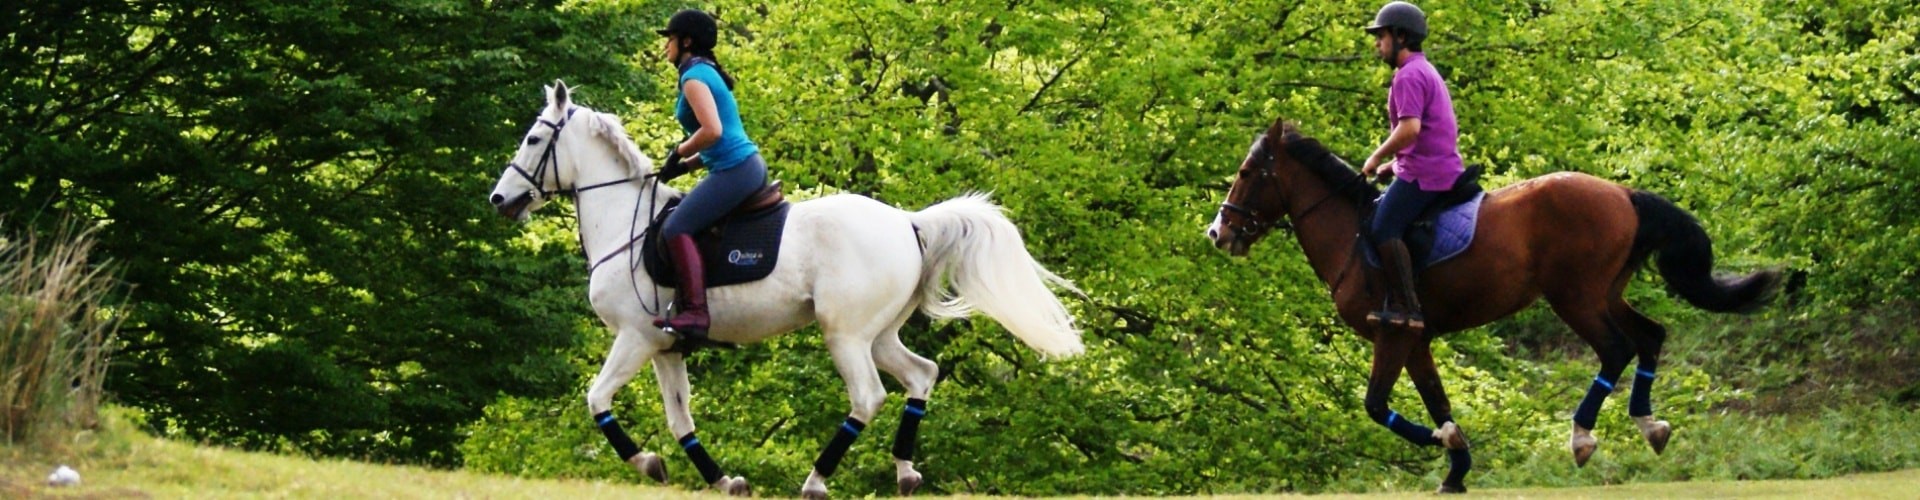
1245, 173
533, 141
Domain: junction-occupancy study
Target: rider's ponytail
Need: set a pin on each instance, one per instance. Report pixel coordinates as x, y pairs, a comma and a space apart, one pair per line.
707, 54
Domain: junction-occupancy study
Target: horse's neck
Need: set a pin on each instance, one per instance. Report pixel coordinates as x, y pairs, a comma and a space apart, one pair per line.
1326, 225
611, 217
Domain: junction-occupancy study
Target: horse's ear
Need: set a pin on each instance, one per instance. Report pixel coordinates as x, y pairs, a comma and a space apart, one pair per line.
560, 99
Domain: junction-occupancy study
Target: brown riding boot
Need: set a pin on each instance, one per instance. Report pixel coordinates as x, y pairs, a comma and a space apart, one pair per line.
690, 320
1402, 308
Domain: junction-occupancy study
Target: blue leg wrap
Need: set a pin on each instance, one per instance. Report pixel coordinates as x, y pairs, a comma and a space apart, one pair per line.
1640, 404
1412, 432
709, 470
829, 460
610, 427
909, 432
1589, 409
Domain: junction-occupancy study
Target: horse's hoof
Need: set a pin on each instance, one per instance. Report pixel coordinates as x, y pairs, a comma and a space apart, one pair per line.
1657, 433
651, 465
1451, 488
1583, 446
1451, 436
811, 493
733, 486
909, 483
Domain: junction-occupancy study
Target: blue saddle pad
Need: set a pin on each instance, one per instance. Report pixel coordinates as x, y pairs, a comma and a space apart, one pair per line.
738, 249
1446, 235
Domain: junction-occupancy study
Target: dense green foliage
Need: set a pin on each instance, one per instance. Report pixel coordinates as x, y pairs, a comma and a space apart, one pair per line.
295, 190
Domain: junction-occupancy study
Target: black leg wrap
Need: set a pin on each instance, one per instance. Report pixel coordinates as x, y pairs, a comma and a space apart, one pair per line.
709, 470
1458, 463
1641, 402
615, 436
1589, 409
837, 448
909, 432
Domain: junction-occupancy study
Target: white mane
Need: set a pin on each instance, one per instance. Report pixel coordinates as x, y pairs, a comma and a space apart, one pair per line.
607, 126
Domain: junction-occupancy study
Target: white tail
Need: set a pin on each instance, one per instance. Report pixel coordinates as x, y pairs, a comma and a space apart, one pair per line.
972, 244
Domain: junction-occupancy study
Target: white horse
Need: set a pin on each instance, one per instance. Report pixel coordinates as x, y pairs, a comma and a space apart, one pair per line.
857, 266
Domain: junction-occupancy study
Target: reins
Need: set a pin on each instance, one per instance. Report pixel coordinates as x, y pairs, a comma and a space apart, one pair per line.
549, 162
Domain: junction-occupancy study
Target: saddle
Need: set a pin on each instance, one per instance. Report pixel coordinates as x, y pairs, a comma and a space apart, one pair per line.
742, 247
1445, 229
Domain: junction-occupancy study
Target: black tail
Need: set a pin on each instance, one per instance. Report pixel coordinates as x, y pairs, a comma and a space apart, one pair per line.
1686, 259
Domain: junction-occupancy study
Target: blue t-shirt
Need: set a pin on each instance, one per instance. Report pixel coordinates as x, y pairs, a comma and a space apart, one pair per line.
733, 146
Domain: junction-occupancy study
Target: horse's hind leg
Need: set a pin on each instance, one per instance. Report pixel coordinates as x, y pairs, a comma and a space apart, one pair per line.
1426, 380
917, 374
1648, 338
670, 369
1593, 324
629, 351
853, 356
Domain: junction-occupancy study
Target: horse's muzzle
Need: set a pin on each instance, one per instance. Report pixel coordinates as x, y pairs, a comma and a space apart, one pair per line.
1232, 243
514, 208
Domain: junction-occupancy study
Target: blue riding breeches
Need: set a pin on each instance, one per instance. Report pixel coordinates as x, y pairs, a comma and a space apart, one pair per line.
716, 195
1398, 207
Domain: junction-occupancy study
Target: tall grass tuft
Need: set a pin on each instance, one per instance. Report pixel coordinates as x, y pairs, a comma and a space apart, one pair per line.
54, 329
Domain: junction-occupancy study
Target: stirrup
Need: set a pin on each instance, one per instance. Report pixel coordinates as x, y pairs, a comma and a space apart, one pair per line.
1410, 321
685, 342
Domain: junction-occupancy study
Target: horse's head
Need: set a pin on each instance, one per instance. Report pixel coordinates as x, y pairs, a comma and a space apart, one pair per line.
1256, 203
536, 173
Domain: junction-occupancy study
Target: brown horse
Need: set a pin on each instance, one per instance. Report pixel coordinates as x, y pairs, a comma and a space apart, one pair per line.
1570, 237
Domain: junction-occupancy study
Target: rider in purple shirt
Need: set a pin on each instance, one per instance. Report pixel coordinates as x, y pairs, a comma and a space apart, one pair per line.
1421, 149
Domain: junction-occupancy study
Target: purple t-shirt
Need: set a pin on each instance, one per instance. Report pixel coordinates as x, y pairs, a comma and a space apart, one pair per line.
1433, 161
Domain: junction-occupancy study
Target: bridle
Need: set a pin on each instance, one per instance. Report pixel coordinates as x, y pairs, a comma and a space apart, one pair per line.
1256, 224
549, 162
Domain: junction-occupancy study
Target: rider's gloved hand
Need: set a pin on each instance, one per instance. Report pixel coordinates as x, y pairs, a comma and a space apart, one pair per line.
674, 167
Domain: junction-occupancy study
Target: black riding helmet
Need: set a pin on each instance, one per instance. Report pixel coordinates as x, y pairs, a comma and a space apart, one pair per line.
695, 26
1401, 16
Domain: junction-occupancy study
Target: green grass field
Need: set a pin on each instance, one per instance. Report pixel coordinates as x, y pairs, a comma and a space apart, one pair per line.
119, 462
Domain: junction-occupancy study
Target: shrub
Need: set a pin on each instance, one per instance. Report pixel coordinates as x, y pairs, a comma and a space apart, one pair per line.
54, 328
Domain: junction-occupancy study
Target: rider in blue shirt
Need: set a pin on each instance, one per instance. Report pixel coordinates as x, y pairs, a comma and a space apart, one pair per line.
710, 116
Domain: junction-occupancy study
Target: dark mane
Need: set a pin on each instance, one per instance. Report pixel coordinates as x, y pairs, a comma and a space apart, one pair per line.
1338, 174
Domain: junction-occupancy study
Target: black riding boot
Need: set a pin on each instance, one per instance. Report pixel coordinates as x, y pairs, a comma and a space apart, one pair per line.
1402, 308
690, 320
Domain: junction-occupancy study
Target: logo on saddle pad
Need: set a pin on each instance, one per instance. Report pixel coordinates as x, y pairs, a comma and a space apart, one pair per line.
743, 257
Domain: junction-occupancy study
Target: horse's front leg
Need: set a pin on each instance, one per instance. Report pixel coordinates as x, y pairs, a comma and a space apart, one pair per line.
629, 350
671, 370
1391, 346
1426, 380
